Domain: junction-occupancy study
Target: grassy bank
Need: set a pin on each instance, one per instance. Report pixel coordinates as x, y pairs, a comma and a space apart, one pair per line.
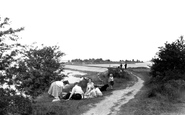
44, 106
142, 104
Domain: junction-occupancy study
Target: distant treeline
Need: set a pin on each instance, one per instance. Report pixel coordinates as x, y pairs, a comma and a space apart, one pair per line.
100, 61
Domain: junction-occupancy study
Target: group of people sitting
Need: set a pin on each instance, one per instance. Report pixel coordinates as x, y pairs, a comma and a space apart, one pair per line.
77, 92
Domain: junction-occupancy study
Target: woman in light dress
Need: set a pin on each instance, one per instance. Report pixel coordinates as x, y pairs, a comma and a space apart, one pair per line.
57, 87
91, 90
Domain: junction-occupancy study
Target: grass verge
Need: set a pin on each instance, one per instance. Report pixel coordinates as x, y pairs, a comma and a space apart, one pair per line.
142, 104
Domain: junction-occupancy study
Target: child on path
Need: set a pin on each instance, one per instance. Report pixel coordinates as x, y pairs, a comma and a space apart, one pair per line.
111, 81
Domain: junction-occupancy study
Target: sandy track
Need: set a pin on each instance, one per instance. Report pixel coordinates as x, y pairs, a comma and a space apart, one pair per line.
111, 104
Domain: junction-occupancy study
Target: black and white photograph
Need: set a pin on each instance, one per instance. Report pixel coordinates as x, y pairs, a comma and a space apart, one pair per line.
92, 57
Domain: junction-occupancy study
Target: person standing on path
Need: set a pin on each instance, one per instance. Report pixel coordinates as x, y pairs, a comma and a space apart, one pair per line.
125, 65
121, 65
111, 81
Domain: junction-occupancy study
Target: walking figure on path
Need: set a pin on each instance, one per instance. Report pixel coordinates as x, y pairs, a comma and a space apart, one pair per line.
121, 65
125, 65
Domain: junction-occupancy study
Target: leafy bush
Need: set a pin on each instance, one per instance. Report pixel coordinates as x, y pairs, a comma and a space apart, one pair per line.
169, 58
167, 71
14, 104
20, 105
39, 67
117, 72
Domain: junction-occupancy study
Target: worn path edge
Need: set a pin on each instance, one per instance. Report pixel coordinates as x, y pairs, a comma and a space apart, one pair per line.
111, 104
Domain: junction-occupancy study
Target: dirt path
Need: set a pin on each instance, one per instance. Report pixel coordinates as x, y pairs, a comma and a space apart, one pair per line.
111, 104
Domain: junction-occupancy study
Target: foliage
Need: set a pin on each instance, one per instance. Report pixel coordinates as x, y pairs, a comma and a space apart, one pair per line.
101, 61
14, 103
9, 50
117, 72
171, 58
167, 71
20, 105
90, 61
39, 67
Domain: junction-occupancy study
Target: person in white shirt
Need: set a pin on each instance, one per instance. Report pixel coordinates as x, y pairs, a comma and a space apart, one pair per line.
76, 93
111, 80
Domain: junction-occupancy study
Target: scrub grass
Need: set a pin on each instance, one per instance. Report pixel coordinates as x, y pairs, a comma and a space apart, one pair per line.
143, 105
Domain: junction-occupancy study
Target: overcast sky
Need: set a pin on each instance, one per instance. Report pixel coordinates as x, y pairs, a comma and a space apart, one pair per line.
108, 29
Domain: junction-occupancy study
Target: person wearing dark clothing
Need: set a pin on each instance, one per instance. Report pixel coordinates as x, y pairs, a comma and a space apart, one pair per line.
74, 96
125, 65
121, 65
76, 93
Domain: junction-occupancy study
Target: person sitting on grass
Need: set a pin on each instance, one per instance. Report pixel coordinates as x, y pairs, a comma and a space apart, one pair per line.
57, 87
111, 81
95, 92
76, 93
90, 86
91, 93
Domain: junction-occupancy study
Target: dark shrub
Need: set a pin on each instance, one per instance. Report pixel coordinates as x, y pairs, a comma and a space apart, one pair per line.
15, 105
117, 72
20, 105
